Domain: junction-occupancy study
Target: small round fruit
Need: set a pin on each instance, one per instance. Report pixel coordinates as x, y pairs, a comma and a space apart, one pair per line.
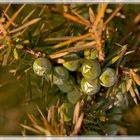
19, 46
71, 63
73, 96
42, 66
60, 75
66, 86
67, 109
90, 87
108, 77
91, 69
91, 53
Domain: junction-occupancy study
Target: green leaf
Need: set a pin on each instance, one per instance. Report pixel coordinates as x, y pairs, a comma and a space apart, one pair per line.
114, 59
6, 56
16, 54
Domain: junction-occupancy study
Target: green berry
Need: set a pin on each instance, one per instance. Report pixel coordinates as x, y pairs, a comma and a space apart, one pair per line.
108, 77
60, 75
19, 46
71, 63
73, 96
66, 86
89, 86
42, 66
91, 53
67, 109
91, 69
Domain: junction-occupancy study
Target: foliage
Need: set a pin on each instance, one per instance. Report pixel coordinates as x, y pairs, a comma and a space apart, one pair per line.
68, 36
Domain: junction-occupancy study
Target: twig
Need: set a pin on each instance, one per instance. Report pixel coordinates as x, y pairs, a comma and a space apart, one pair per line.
72, 40
113, 15
98, 32
72, 49
76, 19
100, 14
78, 124
8, 18
81, 18
7, 8
65, 38
14, 16
26, 25
29, 15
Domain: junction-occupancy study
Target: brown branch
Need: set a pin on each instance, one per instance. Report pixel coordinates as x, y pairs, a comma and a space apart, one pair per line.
76, 19
100, 14
14, 16
25, 25
71, 40
72, 49
65, 38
